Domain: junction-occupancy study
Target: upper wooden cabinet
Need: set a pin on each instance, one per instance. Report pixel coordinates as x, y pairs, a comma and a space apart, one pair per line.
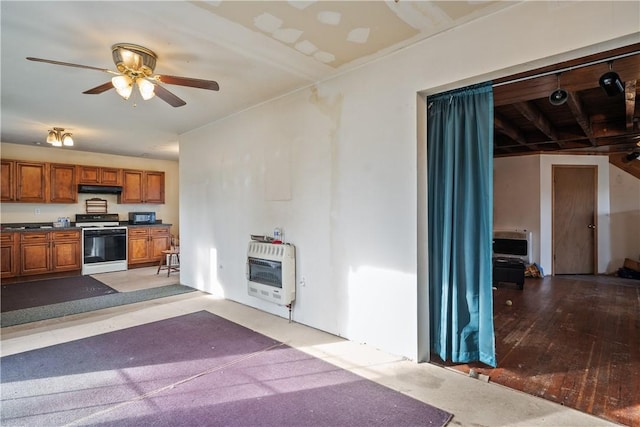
99, 175
31, 181
38, 182
62, 183
35, 182
24, 181
8, 181
142, 187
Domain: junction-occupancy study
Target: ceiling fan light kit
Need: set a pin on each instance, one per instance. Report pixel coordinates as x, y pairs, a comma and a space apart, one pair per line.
136, 64
611, 82
58, 137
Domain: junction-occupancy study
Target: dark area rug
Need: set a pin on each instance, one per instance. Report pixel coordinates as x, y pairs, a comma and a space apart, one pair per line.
17, 296
52, 311
194, 370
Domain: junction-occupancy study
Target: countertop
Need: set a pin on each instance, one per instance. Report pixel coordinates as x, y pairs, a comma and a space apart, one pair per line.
47, 226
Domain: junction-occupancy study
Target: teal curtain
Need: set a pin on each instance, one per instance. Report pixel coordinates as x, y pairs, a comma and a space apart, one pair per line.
460, 223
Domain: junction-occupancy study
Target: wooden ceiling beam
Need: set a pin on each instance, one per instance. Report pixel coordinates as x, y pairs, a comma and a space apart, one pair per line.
506, 128
630, 102
575, 105
535, 116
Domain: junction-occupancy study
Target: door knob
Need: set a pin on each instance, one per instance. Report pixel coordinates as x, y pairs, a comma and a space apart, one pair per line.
591, 226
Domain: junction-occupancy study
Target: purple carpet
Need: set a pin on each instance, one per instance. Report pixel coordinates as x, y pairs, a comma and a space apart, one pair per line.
17, 296
194, 370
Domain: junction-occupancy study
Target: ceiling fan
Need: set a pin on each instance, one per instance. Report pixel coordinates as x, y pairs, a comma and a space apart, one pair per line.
135, 65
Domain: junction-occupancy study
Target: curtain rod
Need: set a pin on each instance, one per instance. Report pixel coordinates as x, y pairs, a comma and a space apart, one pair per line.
562, 70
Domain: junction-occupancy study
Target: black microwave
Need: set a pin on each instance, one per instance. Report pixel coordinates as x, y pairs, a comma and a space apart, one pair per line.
142, 217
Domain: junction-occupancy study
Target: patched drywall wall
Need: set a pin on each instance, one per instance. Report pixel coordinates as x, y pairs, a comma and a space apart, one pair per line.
353, 211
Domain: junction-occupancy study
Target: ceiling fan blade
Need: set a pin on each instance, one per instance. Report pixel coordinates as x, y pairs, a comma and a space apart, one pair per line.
99, 89
69, 64
188, 81
168, 97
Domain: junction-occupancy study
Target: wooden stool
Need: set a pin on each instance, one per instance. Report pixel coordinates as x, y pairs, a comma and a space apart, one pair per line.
170, 260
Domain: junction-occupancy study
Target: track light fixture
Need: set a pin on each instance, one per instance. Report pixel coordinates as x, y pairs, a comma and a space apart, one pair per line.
58, 137
558, 96
631, 156
611, 83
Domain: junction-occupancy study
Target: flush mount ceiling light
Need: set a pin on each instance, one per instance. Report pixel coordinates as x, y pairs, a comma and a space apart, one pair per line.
611, 83
58, 137
558, 96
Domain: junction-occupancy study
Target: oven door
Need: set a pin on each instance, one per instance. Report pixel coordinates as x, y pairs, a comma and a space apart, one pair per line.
104, 245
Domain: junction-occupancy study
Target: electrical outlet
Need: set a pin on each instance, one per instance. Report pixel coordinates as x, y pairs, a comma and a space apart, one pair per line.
37, 211
303, 281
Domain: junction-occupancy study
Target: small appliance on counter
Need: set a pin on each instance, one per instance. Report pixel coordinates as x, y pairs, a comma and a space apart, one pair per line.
142, 218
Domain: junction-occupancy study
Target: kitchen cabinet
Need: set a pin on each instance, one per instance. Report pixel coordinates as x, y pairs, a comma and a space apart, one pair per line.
145, 244
36, 182
24, 181
50, 252
31, 178
8, 255
62, 183
99, 175
142, 187
8, 181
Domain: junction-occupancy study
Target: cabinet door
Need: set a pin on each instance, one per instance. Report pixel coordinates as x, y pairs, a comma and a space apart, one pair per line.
35, 258
88, 174
132, 184
154, 187
138, 245
160, 241
110, 176
8, 255
62, 184
65, 256
30, 182
66, 251
7, 181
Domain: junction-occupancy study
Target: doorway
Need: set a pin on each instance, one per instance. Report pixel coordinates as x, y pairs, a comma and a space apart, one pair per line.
574, 219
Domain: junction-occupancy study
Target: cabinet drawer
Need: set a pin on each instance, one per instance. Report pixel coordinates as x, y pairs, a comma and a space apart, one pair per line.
34, 237
159, 231
138, 232
7, 237
66, 235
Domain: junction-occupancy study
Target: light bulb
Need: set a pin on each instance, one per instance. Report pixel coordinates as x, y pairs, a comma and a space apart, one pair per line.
67, 140
52, 137
123, 85
146, 89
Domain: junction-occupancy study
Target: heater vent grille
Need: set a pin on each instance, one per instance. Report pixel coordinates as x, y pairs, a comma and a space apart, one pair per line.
271, 272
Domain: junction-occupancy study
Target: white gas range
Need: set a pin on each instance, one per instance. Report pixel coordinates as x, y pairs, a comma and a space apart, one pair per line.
104, 243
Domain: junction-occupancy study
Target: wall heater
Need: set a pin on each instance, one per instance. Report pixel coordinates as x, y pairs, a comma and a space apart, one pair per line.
271, 272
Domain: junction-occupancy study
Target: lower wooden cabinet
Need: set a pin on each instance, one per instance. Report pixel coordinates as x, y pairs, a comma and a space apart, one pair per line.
145, 244
9, 255
50, 252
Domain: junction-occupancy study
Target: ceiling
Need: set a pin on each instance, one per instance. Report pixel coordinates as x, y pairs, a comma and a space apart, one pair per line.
589, 121
256, 51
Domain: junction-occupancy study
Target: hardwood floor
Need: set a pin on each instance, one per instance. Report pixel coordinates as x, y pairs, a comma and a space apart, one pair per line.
574, 340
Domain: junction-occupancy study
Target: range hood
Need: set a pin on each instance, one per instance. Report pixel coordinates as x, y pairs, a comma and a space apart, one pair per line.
99, 189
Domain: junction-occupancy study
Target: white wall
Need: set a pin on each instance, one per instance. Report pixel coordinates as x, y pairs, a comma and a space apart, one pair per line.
343, 152
49, 212
523, 199
624, 195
